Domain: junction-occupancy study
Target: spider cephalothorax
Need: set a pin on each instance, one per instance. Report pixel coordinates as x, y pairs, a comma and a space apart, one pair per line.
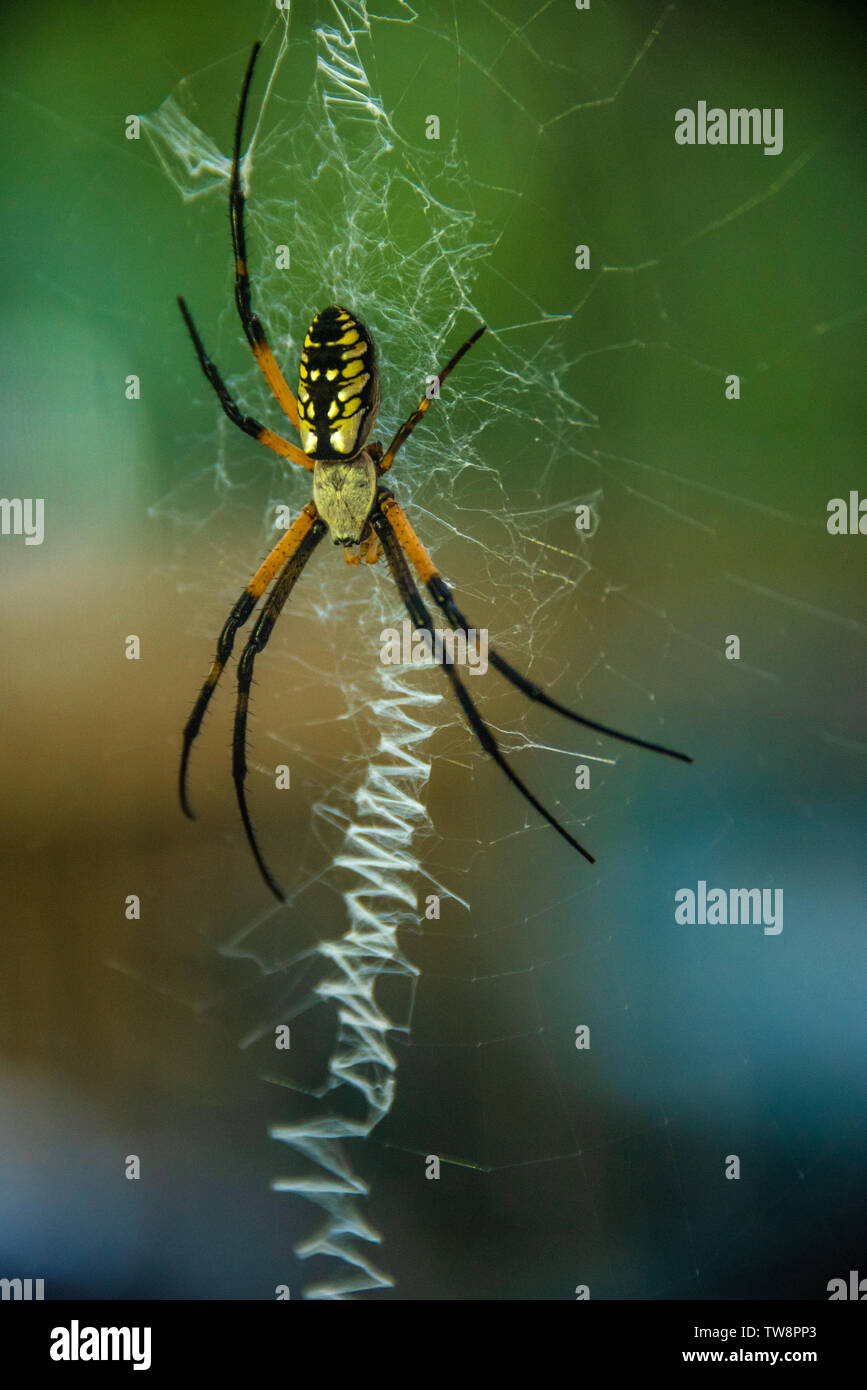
338, 397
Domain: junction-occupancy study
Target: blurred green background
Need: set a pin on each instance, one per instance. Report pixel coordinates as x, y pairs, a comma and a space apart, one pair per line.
122, 1037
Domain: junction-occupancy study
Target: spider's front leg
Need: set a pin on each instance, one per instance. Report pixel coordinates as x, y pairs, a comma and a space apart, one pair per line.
369, 550
304, 532
397, 536
384, 517
442, 596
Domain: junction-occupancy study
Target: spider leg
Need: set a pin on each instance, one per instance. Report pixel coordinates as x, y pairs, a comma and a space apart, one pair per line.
283, 552
422, 621
442, 596
289, 576
253, 329
409, 425
244, 422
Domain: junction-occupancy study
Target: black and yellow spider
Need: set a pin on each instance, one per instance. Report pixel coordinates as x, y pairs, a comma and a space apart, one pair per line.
338, 398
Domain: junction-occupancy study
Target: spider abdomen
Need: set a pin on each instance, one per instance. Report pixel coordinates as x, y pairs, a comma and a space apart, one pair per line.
338, 392
343, 494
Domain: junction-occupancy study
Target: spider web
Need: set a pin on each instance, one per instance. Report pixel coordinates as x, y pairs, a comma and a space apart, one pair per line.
454, 1035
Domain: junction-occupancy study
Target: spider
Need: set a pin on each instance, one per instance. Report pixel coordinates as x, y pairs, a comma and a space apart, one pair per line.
336, 405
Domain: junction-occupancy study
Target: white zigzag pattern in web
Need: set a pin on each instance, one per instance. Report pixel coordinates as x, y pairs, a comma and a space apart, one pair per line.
377, 851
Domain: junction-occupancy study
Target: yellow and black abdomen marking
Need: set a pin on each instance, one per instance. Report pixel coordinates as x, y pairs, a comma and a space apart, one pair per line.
338, 393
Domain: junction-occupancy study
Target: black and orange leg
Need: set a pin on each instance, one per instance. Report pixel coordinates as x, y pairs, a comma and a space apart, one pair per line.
258, 639
244, 422
284, 551
442, 596
409, 425
253, 329
383, 522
